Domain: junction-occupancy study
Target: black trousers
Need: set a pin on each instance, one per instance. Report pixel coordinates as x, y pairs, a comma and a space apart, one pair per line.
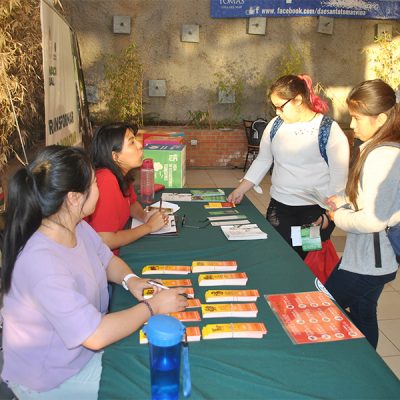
282, 217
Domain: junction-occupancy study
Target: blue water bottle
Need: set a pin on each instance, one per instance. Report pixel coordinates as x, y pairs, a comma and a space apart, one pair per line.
164, 334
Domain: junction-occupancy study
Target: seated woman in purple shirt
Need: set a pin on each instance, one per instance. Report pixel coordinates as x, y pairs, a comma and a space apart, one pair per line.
55, 273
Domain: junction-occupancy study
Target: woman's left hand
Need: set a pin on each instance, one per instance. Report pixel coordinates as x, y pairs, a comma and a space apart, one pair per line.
333, 202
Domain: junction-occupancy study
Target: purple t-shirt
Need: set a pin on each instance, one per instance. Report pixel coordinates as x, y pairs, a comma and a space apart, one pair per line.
56, 301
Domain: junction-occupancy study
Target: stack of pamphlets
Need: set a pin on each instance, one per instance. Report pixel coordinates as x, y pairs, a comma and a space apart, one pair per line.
213, 266
219, 204
186, 316
243, 232
218, 295
148, 293
166, 269
192, 332
193, 303
252, 330
246, 310
234, 279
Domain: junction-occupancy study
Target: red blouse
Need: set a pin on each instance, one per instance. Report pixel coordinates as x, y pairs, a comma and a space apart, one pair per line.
113, 209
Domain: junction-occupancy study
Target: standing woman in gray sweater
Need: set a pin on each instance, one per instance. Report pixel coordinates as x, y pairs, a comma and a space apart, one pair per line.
372, 203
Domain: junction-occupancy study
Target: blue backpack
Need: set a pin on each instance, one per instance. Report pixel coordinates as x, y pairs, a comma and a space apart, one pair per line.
323, 135
393, 232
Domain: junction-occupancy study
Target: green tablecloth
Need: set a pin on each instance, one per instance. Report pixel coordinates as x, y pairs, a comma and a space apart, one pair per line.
268, 368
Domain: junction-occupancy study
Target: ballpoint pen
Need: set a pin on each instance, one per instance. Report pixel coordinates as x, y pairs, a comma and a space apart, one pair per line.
161, 286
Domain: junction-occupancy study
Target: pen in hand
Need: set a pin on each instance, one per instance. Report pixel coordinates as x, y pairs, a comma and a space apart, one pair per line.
161, 286
159, 209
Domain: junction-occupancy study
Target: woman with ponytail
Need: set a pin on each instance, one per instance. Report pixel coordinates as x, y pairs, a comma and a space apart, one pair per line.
54, 281
291, 142
372, 203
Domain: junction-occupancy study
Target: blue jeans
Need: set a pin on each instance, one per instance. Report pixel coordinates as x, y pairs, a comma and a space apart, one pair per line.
359, 293
83, 386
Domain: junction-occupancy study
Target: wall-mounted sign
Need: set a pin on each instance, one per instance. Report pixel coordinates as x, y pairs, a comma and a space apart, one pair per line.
370, 9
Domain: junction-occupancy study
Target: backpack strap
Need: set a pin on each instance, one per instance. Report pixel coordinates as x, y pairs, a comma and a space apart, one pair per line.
377, 250
323, 136
275, 126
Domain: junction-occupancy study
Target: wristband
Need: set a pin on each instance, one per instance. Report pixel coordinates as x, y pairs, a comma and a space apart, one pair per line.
148, 306
124, 282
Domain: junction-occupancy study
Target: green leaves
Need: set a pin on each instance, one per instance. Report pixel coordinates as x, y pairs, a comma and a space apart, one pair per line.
124, 86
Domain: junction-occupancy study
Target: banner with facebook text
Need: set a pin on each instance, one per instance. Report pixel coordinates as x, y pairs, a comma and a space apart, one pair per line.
370, 9
60, 79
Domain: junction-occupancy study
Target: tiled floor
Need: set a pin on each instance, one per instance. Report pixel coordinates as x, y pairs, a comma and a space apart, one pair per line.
389, 303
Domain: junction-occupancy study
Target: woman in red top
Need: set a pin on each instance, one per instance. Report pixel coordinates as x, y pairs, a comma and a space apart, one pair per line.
115, 153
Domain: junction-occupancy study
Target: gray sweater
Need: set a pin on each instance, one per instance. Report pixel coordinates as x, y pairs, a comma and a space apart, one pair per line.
379, 206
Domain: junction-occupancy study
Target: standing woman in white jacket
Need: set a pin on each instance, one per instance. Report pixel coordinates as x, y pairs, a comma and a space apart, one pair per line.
372, 204
299, 168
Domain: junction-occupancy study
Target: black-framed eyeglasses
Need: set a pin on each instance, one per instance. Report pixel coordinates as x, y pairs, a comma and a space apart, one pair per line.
280, 108
184, 223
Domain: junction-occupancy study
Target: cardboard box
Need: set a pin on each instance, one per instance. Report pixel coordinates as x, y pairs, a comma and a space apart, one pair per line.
164, 140
169, 163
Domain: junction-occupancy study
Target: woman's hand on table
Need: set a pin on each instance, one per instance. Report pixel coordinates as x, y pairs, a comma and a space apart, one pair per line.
167, 301
236, 196
156, 221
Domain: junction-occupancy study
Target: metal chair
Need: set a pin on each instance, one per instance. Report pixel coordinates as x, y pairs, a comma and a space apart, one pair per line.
254, 131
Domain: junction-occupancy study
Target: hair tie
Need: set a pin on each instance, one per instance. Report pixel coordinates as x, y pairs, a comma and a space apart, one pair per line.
29, 179
317, 104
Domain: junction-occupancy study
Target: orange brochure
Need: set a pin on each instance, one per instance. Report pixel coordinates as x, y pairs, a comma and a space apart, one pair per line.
234, 279
176, 282
219, 205
166, 269
186, 316
211, 266
246, 310
250, 330
147, 293
215, 296
193, 335
193, 303
312, 317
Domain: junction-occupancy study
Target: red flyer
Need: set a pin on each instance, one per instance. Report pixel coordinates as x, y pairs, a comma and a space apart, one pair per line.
312, 317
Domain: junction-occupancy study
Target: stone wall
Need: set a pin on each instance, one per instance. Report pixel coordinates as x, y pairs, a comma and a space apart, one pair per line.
337, 61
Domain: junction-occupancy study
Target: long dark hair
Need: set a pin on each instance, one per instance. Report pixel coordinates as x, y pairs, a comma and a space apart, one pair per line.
371, 98
289, 86
38, 191
107, 139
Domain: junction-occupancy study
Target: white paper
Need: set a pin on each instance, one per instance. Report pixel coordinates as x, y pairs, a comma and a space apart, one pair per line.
296, 235
226, 217
222, 223
243, 232
169, 228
